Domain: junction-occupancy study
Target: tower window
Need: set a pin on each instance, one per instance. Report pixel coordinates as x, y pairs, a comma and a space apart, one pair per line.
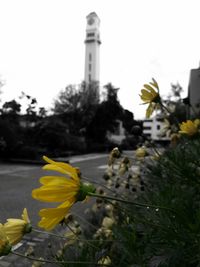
90, 67
89, 77
90, 57
91, 34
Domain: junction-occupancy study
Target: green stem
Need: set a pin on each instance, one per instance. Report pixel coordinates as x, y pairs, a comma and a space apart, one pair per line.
169, 112
48, 233
100, 184
86, 221
130, 202
165, 108
64, 237
88, 242
154, 148
56, 262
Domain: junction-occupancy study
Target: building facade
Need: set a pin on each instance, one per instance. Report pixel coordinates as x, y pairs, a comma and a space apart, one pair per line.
194, 92
152, 128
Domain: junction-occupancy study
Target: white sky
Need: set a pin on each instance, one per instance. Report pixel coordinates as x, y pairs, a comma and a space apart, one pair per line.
42, 46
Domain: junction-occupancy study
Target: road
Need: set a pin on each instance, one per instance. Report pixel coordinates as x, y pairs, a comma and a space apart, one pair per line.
18, 180
16, 184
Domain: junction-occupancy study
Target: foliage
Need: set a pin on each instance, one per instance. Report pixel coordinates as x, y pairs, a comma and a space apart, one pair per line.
83, 122
46, 132
11, 107
176, 105
165, 231
76, 98
105, 117
18, 130
174, 183
10, 137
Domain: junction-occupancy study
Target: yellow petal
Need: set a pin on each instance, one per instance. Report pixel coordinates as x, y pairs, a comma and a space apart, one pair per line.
49, 224
53, 212
149, 110
57, 180
188, 128
54, 193
154, 83
3, 236
57, 168
15, 221
52, 216
67, 167
14, 239
48, 160
25, 216
148, 87
146, 95
14, 229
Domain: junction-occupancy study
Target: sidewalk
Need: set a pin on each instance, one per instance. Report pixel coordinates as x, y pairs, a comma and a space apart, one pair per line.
69, 159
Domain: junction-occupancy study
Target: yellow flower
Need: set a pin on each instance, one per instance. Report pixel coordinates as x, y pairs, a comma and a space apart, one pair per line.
150, 96
189, 127
5, 246
67, 190
16, 228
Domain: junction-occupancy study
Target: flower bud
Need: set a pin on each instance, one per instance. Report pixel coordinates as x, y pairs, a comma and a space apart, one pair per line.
141, 152
107, 222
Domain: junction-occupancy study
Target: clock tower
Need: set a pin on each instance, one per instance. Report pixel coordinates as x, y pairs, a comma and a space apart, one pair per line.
92, 45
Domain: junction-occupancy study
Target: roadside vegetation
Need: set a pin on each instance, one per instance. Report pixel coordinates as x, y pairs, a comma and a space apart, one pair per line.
77, 120
144, 213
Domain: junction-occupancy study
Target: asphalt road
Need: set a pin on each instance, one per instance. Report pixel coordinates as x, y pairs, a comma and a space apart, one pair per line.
16, 184
18, 180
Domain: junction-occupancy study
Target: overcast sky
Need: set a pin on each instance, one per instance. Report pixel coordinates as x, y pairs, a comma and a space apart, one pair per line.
42, 46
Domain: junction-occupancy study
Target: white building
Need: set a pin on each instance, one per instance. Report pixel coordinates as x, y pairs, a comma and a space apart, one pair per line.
92, 47
152, 128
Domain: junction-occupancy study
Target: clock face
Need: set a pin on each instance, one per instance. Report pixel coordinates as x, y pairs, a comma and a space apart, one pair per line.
90, 21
